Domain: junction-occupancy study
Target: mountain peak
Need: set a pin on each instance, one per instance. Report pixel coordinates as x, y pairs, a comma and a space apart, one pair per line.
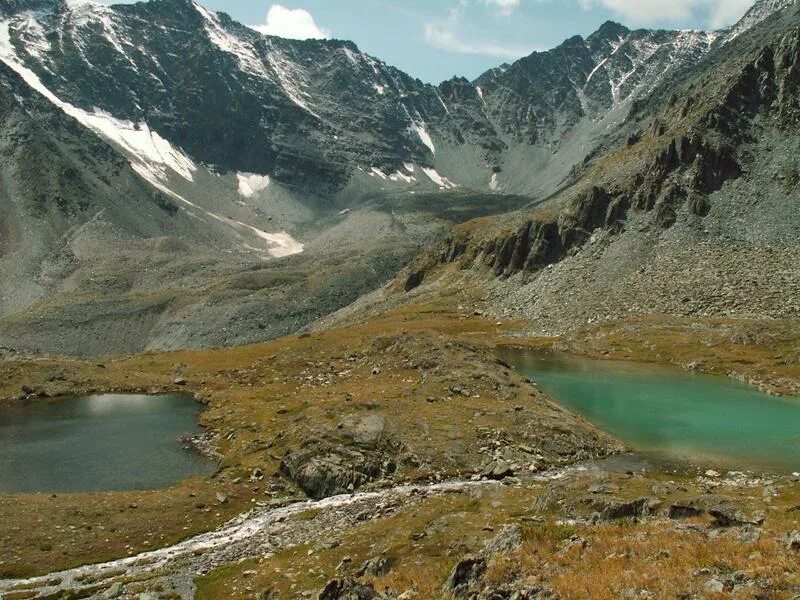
758, 13
610, 30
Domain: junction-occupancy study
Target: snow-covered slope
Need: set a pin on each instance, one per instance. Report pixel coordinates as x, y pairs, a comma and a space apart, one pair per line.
313, 115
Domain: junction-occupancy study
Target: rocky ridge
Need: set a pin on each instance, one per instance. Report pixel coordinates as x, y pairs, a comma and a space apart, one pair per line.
650, 228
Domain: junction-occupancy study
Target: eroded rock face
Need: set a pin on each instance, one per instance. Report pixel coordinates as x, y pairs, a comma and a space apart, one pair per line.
322, 469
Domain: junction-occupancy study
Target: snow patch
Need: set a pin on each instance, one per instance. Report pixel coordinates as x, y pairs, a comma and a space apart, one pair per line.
148, 152
479, 89
447, 110
494, 183
409, 167
278, 244
424, 136
36, 43
251, 184
400, 176
350, 55
397, 176
381, 89
439, 180
83, 10
599, 66
288, 77
229, 43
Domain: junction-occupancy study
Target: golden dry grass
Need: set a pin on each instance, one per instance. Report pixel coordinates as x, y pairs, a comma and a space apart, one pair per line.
266, 394
578, 561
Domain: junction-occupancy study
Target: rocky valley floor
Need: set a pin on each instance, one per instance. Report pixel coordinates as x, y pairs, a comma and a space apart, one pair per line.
432, 467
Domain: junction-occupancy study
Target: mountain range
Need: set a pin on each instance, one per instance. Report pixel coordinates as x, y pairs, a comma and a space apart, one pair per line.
171, 178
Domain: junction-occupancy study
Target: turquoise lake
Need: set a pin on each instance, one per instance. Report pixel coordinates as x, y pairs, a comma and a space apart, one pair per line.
673, 414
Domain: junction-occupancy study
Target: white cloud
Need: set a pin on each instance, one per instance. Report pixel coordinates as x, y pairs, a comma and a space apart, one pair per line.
505, 7
728, 12
445, 35
718, 13
296, 24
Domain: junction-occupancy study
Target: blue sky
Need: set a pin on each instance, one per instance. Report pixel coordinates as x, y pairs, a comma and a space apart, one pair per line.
436, 39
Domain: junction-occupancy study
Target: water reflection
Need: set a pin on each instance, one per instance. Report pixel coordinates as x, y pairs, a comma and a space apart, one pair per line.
99, 443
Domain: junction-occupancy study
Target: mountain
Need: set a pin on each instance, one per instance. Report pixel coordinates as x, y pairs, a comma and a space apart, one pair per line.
311, 114
259, 183
693, 215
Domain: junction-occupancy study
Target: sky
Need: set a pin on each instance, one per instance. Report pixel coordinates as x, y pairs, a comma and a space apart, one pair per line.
438, 39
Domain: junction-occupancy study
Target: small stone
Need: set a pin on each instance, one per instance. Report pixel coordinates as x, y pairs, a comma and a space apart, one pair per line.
714, 586
179, 381
222, 498
794, 541
497, 470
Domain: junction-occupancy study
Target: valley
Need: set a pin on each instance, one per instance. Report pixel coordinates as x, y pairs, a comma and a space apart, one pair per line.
361, 396
347, 274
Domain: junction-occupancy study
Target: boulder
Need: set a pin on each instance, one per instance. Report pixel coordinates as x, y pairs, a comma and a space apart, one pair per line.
611, 509
729, 517
322, 469
466, 576
366, 431
513, 591
348, 589
375, 567
509, 538
794, 541
684, 510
